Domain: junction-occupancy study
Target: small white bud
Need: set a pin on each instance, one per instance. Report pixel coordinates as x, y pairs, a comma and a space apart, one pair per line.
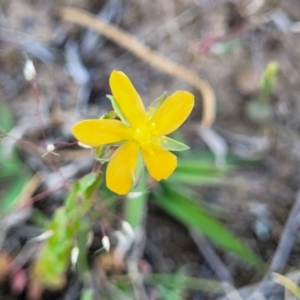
50, 148
127, 229
74, 256
134, 195
82, 145
90, 238
29, 70
106, 243
42, 237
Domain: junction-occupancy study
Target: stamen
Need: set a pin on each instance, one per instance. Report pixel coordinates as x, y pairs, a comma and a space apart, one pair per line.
139, 131
164, 140
146, 133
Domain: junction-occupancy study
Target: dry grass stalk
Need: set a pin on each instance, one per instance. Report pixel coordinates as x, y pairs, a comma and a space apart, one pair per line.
130, 43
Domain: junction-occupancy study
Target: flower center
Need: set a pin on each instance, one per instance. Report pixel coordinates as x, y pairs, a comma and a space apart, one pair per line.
145, 133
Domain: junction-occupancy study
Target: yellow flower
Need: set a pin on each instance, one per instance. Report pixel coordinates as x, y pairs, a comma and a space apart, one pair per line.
144, 132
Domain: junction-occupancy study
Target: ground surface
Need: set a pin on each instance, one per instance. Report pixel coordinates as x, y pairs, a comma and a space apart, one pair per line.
73, 65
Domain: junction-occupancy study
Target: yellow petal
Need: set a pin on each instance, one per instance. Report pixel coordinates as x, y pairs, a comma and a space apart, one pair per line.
100, 132
173, 112
120, 170
127, 98
159, 162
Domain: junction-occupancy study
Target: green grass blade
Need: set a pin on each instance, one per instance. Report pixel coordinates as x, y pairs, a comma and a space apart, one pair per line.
173, 145
117, 109
192, 283
10, 199
193, 216
197, 166
5, 119
196, 179
195, 172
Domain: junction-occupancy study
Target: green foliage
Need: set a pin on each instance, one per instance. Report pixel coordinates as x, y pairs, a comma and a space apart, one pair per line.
197, 172
139, 170
188, 212
72, 223
175, 288
6, 122
135, 204
259, 109
87, 294
269, 78
10, 199
174, 196
225, 47
157, 103
170, 286
38, 218
185, 281
117, 109
55, 255
173, 145
12, 171
69, 229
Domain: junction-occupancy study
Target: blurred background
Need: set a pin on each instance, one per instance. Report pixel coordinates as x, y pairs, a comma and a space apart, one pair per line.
249, 53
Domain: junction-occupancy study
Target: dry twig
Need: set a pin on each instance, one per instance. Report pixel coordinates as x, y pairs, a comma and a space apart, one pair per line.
129, 42
285, 246
211, 257
263, 289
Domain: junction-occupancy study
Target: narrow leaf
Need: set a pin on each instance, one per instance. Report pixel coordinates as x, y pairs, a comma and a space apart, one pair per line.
87, 294
117, 109
200, 167
173, 145
194, 283
139, 170
157, 103
10, 199
195, 172
6, 122
193, 216
89, 184
195, 179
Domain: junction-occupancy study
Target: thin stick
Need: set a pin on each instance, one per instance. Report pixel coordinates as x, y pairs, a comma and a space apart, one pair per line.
287, 238
38, 101
211, 257
285, 245
130, 43
278, 262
